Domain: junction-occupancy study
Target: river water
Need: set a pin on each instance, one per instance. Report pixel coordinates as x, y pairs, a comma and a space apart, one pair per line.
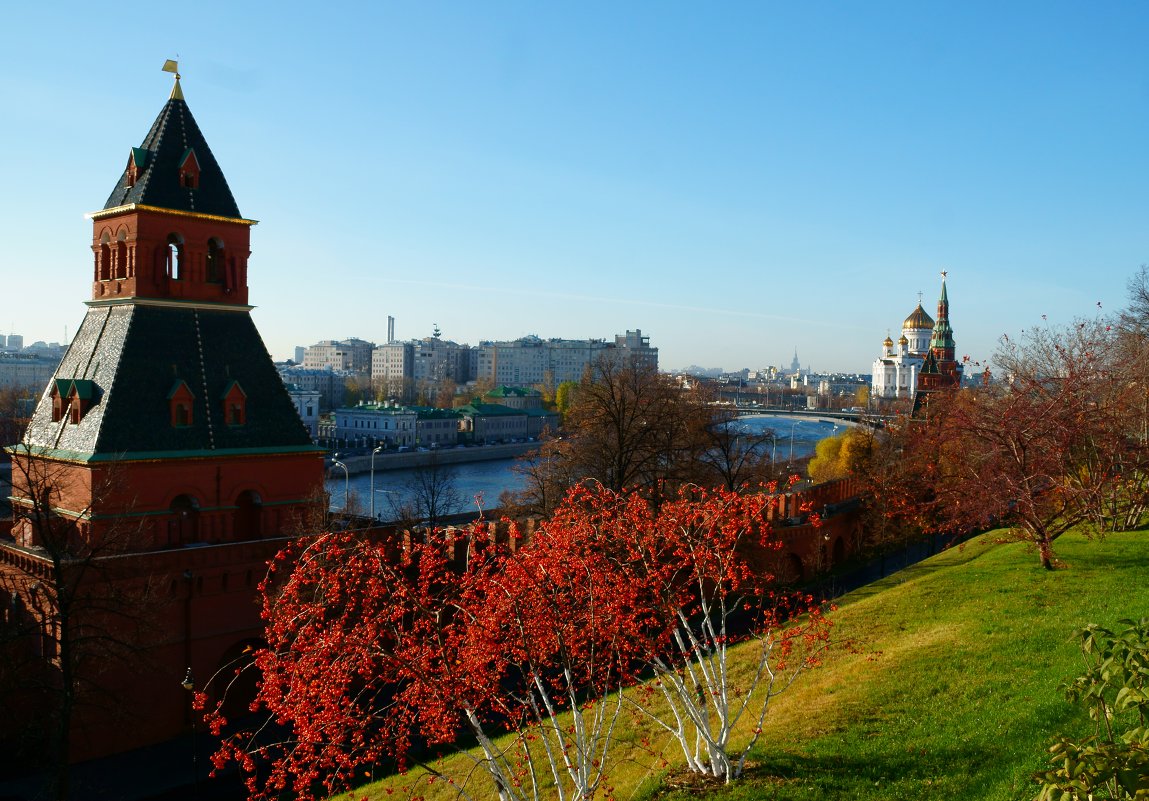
795, 437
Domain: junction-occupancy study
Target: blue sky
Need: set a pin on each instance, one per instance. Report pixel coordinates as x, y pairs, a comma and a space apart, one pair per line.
736, 179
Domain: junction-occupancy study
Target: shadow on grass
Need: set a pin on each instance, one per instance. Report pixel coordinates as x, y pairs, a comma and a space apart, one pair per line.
953, 773
878, 576
1101, 556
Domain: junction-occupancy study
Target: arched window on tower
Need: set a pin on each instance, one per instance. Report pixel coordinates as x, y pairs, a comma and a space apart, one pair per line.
104, 269
122, 254
173, 257
247, 524
216, 259
120, 268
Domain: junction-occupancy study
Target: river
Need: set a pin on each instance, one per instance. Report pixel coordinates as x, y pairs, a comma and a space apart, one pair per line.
795, 437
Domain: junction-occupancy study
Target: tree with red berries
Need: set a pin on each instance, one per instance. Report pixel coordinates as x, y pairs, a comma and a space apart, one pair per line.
377, 652
383, 651
709, 605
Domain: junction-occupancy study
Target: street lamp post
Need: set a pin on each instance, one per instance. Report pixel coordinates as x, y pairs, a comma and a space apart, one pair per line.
346, 481
188, 684
793, 425
373, 482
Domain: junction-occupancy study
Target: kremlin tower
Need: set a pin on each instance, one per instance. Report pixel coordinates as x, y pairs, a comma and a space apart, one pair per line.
167, 378
941, 369
165, 461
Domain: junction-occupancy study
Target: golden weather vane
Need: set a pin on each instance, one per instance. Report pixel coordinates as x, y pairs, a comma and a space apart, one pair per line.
173, 67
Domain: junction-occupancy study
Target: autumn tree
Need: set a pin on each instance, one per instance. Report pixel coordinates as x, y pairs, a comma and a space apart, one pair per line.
629, 426
1135, 317
359, 662
892, 488
1041, 451
701, 563
547, 474
547, 388
481, 386
355, 389
842, 455
376, 652
444, 393
564, 396
564, 619
732, 457
427, 496
381, 650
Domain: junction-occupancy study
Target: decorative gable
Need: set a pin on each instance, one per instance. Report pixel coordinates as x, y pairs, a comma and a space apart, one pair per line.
189, 170
181, 403
72, 398
137, 163
234, 404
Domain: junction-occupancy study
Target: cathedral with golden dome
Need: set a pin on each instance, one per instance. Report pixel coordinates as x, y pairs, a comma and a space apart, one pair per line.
923, 354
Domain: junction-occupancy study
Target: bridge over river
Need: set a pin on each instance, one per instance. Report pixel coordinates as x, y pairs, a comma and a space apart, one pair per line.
748, 410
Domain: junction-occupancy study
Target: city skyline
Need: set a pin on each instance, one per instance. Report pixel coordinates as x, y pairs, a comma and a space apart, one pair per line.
735, 182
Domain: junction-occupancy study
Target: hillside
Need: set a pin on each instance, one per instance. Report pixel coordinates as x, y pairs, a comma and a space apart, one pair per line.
949, 689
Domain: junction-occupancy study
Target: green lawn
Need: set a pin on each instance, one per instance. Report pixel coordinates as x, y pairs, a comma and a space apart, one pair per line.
949, 688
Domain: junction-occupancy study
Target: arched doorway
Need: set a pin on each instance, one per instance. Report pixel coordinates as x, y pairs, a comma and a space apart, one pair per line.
183, 526
792, 569
248, 522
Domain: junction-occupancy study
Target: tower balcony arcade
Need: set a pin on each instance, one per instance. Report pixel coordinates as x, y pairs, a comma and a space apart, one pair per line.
144, 252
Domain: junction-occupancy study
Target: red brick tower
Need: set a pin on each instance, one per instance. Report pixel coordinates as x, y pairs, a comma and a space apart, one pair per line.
166, 419
167, 379
941, 369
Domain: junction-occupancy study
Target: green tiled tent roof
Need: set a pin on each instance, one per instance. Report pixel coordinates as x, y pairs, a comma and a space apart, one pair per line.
158, 159
137, 355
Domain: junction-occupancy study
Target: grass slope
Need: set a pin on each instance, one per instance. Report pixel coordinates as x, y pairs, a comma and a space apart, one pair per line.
949, 691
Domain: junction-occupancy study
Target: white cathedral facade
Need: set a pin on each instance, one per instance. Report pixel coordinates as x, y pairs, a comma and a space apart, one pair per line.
895, 372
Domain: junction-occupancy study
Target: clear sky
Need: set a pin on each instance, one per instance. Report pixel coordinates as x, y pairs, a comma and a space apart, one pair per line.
737, 179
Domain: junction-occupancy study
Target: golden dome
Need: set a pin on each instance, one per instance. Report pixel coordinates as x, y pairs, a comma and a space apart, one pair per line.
902, 340
918, 320
889, 343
